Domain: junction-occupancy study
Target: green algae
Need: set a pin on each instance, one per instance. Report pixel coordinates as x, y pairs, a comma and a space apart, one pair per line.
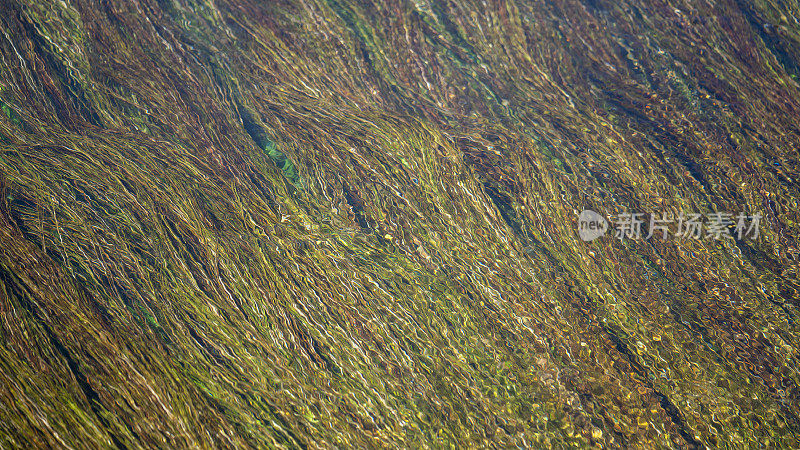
10, 114
283, 162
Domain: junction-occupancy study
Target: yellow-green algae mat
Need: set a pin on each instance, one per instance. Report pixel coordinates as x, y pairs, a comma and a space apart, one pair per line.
341, 224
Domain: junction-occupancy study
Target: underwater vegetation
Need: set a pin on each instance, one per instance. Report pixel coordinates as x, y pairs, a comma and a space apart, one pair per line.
352, 224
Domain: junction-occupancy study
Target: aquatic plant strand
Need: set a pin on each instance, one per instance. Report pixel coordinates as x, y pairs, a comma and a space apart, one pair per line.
347, 224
